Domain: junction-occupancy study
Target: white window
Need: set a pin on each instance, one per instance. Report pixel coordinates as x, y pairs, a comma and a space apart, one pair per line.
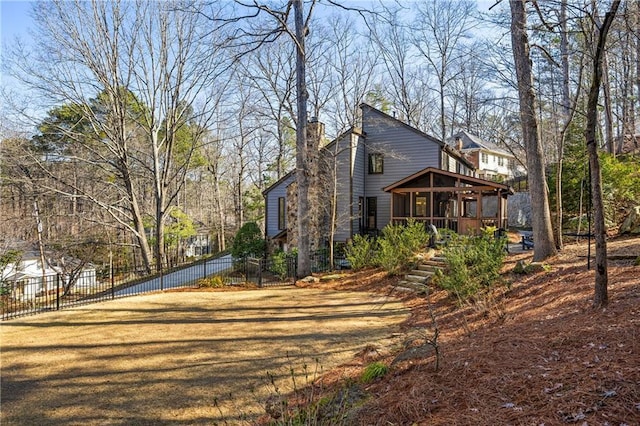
485, 157
500, 161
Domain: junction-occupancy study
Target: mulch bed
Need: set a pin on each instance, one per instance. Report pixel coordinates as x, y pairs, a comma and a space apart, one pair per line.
533, 352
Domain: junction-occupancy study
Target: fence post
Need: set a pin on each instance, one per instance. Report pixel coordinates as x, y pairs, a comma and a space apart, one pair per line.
161, 280
260, 264
57, 292
294, 267
113, 282
204, 274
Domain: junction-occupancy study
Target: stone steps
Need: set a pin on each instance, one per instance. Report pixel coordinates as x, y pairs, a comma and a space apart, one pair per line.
418, 279
412, 286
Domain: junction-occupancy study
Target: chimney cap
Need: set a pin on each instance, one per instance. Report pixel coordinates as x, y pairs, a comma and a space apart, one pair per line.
313, 119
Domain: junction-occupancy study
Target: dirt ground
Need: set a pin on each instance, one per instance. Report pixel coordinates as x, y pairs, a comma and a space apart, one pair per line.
533, 352
184, 357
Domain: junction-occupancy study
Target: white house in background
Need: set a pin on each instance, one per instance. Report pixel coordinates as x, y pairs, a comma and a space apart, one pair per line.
25, 279
491, 162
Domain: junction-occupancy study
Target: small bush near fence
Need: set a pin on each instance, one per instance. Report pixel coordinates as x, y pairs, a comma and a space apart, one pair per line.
280, 263
473, 264
215, 281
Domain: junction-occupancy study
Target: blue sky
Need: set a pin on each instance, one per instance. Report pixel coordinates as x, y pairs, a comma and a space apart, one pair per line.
14, 19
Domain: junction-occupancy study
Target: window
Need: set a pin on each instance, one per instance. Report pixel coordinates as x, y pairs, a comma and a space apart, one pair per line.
485, 157
500, 161
376, 162
281, 213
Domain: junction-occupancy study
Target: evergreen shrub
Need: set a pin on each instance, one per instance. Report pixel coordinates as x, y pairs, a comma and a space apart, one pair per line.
473, 264
248, 242
360, 251
398, 245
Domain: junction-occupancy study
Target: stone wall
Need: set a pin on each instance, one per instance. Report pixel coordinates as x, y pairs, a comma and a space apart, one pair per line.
519, 210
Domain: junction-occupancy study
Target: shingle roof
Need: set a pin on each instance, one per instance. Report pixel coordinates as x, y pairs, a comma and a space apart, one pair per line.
471, 142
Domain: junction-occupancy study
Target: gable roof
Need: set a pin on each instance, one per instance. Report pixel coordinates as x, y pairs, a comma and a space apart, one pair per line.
458, 156
278, 182
473, 142
464, 178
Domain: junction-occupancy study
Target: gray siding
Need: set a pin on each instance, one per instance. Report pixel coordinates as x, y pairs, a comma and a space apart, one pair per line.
358, 173
406, 151
347, 163
343, 225
278, 190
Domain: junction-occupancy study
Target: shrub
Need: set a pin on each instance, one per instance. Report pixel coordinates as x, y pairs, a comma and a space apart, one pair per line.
215, 281
373, 371
359, 252
473, 264
398, 245
393, 250
248, 241
279, 263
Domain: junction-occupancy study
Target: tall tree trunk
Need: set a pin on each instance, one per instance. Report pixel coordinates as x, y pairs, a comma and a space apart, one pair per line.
608, 116
566, 118
302, 165
541, 217
136, 214
600, 296
36, 215
220, 214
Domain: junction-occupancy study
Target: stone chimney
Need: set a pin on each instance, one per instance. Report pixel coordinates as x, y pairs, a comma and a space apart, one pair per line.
459, 143
315, 132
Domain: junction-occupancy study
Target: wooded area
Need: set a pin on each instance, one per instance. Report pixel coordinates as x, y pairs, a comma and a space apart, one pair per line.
146, 132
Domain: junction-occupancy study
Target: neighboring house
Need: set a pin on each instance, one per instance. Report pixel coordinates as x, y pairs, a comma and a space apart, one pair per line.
490, 161
26, 278
384, 172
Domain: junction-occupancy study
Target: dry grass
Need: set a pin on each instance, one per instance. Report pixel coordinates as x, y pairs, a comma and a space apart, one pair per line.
535, 353
180, 358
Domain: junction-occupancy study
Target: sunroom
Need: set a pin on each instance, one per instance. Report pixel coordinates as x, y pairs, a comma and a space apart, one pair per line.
461, 203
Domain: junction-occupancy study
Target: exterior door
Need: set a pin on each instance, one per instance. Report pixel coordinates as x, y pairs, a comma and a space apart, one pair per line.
361, 215
372, 213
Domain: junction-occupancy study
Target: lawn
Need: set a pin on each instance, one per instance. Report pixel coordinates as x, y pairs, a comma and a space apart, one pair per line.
182, 357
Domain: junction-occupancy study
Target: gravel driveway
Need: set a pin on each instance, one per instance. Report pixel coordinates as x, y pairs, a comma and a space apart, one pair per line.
180, 358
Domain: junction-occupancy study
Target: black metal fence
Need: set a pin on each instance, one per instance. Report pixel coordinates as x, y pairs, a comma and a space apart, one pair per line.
271, 271
31, 295
320, 261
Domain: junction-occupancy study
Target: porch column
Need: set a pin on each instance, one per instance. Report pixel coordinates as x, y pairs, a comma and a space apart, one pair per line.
393, 200
431, 206
411, 204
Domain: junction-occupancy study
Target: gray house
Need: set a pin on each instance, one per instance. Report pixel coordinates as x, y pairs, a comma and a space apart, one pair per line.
384, 172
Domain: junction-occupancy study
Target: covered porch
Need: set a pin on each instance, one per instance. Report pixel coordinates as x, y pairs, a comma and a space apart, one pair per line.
463, 204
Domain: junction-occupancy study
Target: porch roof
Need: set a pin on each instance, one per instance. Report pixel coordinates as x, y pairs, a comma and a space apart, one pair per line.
473, 181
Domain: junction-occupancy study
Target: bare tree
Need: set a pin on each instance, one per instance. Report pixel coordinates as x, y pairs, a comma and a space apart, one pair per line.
271, 70
132, 71
354, 67
541, 217
600, 296
439, 32
403, 84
